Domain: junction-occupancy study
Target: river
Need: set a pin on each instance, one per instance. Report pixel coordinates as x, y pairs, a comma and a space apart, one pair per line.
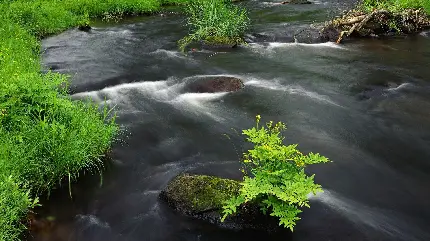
364, 104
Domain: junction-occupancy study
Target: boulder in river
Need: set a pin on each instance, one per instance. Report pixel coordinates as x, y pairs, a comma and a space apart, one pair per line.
296, 2
202, 197
85, 28
216, 84
218, 46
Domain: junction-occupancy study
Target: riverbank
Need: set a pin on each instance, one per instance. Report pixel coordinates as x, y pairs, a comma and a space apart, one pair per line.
382, 18
45, 137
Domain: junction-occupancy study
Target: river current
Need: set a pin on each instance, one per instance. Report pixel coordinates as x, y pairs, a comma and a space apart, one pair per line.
364, 104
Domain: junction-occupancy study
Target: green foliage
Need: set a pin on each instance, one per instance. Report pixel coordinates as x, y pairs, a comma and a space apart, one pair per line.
45, 137
215, 22
275, 175
14, 202
45, 17
396, 5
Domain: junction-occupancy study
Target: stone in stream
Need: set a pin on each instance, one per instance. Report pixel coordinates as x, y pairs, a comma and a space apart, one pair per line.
202, 197
309, 35
216, 84
296, 2
218, 46
85, 28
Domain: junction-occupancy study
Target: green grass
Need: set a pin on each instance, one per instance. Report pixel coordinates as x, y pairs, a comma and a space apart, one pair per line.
14, 202
215, 22
45, 137
396, 5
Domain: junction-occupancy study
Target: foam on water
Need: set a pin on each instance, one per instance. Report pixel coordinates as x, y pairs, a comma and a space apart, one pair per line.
159, 90
197, 103
276, 45
317, 45
164, 91
292, 89
401, 87
168, 53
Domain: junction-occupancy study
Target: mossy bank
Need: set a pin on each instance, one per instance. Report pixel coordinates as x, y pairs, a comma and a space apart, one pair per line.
381, 18
46, 137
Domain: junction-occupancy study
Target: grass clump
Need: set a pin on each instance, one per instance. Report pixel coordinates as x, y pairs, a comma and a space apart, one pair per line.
396, 6
215, 22
275, 176
14, 202
45, 137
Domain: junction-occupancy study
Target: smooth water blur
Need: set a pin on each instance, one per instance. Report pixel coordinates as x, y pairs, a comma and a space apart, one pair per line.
364, 104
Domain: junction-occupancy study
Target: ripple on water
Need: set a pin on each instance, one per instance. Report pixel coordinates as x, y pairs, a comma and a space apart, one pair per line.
291, 89
379, 219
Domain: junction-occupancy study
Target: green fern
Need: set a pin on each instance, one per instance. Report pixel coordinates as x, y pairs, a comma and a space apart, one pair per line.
275, 176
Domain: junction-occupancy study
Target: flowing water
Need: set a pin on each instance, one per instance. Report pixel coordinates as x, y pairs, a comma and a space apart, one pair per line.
364, 104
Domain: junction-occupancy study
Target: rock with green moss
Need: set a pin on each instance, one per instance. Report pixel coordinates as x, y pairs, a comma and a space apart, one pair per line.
202, 197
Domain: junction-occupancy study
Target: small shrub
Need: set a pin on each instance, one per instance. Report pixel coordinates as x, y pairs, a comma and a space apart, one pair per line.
275, 175
215, 22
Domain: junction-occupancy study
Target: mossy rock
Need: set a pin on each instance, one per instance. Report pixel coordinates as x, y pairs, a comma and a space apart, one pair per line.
194, 194
202, 197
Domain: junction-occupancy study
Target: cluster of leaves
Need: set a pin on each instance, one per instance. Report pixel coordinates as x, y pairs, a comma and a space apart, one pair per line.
215, 22
275, 177
396, 5
14, 202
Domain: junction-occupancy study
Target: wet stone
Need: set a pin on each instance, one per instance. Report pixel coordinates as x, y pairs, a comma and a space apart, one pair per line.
297, 2
216, 84
85, 28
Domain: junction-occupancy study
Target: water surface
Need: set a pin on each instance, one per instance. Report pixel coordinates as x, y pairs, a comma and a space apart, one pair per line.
364, 104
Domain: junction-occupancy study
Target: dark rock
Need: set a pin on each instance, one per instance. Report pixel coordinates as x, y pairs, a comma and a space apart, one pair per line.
308, 35
218, 46
216, 84
262, 38
314, 35
85, 28
297, 2
202, 197
329, 34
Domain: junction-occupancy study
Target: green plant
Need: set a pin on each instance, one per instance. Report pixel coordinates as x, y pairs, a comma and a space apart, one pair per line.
396, 5
214, 22
14, 202
275, 175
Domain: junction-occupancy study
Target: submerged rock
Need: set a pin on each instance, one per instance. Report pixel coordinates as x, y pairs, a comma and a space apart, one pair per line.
313, 35
216, 84
309, 35
218, 46
296, 2
202, 197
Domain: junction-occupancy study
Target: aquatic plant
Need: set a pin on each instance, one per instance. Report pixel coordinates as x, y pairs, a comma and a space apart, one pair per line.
275, 175
215, 22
